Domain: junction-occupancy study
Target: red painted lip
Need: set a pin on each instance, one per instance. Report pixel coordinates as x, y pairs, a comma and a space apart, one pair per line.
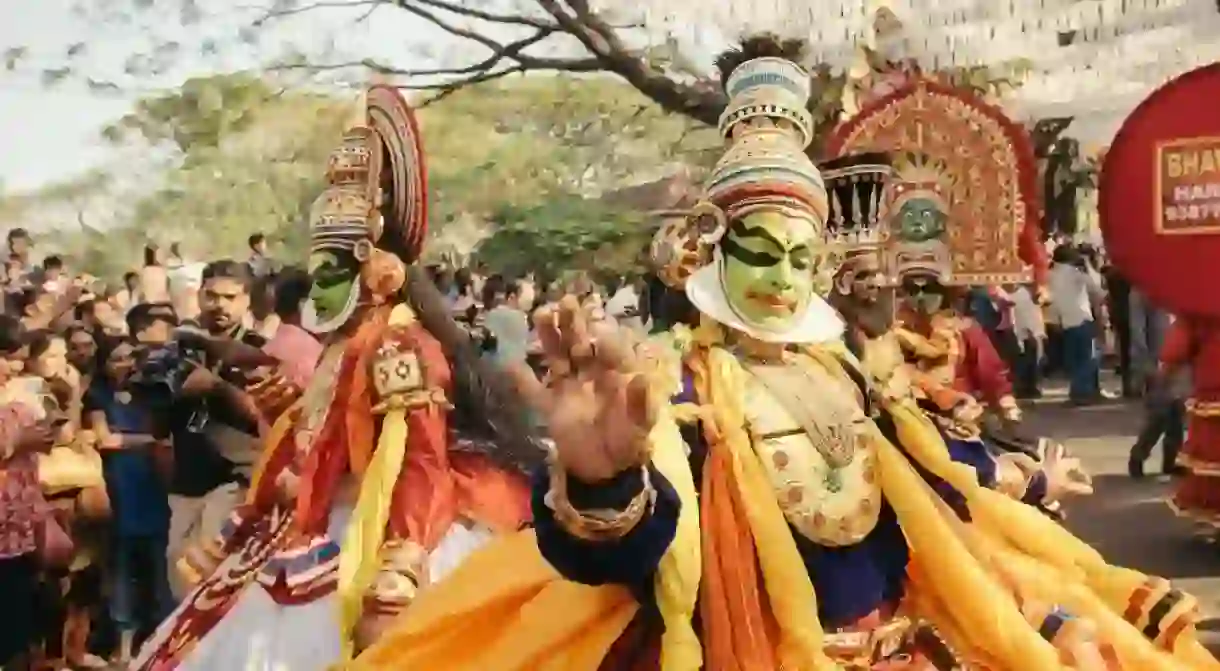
771, 300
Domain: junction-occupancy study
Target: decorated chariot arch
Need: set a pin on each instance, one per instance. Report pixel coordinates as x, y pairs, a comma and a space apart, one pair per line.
962, 201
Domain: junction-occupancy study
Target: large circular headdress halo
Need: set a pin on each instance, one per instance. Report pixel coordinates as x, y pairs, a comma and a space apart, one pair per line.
402, 179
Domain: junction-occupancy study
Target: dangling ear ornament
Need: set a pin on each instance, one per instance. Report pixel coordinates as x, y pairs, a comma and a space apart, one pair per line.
383, 273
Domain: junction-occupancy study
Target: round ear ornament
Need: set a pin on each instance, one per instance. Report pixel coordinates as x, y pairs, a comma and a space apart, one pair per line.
685, 242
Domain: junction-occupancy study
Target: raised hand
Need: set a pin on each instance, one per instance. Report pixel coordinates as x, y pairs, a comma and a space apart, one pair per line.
594, 401
1065, 476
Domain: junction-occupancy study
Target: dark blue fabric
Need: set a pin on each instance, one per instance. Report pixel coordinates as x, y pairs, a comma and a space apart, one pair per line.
983, 309
631, 560
1080, 356
137, 496
854, 580
140, 596
1035, 493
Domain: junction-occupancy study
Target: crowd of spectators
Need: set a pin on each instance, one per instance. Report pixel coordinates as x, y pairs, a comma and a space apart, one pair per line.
126, 436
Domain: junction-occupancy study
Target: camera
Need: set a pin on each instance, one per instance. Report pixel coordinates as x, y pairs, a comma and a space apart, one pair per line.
160, 374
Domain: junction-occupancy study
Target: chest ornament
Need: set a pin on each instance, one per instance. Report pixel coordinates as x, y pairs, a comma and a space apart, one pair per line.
808, 428
400, 381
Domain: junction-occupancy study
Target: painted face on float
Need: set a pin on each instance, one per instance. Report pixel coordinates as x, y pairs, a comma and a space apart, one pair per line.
923, 294
770, 262
921, 220
336, 276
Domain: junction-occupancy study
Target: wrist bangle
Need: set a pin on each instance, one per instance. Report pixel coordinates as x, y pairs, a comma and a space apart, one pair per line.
601, 524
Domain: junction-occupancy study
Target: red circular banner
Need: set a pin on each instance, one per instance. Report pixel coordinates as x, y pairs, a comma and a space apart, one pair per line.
1160, 195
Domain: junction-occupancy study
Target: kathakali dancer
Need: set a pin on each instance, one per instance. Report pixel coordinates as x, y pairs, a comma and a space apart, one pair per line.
929, 196
1160, 215
370, 487
760, 518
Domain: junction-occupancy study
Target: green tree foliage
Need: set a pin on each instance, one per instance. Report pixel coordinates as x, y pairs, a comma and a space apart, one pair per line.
564, 233
246, 158
200, 114
521, 143
235, 155
534, 157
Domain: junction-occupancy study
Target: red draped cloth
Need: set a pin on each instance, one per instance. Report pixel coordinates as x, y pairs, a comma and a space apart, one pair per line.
1196, 343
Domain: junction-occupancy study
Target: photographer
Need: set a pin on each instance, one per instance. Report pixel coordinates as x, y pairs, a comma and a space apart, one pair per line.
233, 422
213, 425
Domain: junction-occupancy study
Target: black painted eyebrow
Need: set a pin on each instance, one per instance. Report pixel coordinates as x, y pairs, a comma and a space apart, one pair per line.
740, 229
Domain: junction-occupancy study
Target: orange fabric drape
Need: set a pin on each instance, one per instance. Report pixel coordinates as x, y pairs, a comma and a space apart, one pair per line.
350, 419
732, 604
505, 608
436, 486
358, 413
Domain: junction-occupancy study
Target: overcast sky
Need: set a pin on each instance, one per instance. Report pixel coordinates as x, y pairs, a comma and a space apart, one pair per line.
46, 133
50, 134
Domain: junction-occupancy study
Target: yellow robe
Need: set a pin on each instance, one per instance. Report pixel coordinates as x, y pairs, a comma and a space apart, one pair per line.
507, 609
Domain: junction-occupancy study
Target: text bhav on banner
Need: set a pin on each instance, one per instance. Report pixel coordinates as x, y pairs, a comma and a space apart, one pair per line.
1188, 186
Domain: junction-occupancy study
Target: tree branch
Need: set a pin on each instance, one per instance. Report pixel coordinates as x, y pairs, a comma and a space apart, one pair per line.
702, 101
511, 19
449, 88
274, 14
484, 70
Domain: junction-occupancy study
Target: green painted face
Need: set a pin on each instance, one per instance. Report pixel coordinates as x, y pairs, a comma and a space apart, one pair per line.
769, 268
920, 220
335, 273
923, 295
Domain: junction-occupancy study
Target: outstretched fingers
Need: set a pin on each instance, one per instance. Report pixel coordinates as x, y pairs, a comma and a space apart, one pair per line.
532, 389
546, 325
574, 330
612, 357
641, 415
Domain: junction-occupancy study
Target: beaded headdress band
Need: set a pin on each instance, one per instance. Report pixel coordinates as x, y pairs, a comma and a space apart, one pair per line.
346, 213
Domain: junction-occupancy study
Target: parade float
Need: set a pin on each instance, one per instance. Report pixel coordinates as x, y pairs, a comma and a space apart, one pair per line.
959, 210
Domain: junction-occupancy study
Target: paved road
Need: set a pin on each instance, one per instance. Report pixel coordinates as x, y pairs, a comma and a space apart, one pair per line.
1126, 520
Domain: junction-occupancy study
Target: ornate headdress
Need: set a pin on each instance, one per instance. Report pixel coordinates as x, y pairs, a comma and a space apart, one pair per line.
376, 184
856, 228
965, 157
374, 205
764, 169
767, 127
917, 178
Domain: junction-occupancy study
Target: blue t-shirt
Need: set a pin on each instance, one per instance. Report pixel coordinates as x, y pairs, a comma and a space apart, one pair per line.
983, 309
137, 495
